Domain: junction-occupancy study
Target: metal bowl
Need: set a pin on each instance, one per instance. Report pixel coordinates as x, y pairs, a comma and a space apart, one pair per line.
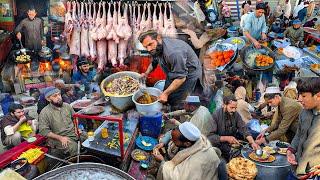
122, 102
147, 108
224, 47
85, 171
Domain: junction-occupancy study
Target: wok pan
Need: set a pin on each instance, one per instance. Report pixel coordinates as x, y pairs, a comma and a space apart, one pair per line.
245, 52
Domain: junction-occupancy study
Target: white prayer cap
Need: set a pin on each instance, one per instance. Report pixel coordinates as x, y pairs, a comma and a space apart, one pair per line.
189, 131
272, 90
59, 81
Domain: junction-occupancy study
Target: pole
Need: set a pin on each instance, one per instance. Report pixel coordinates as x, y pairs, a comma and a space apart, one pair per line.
238, 10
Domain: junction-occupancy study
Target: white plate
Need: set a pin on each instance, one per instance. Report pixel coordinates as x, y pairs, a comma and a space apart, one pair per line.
292, 52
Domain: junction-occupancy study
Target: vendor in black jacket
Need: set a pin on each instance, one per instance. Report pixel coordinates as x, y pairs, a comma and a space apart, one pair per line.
178, 61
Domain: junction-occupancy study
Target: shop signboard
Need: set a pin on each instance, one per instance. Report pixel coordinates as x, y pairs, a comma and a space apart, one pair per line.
6, 14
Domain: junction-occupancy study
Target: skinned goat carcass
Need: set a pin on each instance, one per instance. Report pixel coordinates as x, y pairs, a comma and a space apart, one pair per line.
143, 22
169, 26
101, 42
149, 18
84, 46
68, 24
101, 21
75, 37
92, 31
157, 23
125, 30
112, 38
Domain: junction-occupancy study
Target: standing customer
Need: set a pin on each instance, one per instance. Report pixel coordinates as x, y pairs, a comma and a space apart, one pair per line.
304, 152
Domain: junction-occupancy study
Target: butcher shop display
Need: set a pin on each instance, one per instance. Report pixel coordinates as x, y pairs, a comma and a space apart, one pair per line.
103, 35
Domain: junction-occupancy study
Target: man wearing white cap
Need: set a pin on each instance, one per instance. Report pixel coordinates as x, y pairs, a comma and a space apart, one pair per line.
55, 122
193, 112
195, 157
286, 123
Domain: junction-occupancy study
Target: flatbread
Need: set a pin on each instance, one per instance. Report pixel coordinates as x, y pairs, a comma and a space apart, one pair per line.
254, 157
241, 169
269, 150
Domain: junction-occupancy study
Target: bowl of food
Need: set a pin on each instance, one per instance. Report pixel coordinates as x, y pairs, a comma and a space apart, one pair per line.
20, 165
139, 155
120, 87
146, 100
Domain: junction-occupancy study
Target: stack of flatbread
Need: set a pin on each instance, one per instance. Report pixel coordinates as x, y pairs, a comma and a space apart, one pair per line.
241, 169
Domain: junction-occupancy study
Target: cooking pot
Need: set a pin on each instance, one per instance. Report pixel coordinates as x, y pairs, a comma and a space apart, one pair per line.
65, 57
45, 54
56, 67
245, 52
85, 171
147, 108
22, 52
121, 102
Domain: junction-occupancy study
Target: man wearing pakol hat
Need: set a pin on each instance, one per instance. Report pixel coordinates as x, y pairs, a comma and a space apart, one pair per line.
195, 158
295, 33
194, 113
56, 123
285, 126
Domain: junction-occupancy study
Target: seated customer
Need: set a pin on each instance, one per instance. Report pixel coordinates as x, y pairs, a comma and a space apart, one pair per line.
243, 108
304, 152
228, 128
69, 96
56, 123
194, 113
295, 33
85, 77
285, 126
194, 157
10, 125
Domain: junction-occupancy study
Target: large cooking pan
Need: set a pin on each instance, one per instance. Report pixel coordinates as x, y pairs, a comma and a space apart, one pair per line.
20, 52
85, 171
246, 52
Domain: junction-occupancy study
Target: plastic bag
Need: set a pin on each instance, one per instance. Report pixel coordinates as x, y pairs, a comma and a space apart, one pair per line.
254, 125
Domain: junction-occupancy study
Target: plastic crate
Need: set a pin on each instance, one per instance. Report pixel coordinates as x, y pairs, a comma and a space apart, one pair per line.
43, 149
151, 125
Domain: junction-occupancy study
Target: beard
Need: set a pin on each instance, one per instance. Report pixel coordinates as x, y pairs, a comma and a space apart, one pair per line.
57, 104
158, 51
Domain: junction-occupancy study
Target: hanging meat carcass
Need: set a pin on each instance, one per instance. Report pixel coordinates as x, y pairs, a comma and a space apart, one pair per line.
84, 46
157, 22
92, 32
101, 34
124, 32
68, 24
76, 30
169, 26
112, 37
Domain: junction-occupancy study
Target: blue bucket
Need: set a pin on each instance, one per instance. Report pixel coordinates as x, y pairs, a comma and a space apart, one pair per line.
233, 31
150, 125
